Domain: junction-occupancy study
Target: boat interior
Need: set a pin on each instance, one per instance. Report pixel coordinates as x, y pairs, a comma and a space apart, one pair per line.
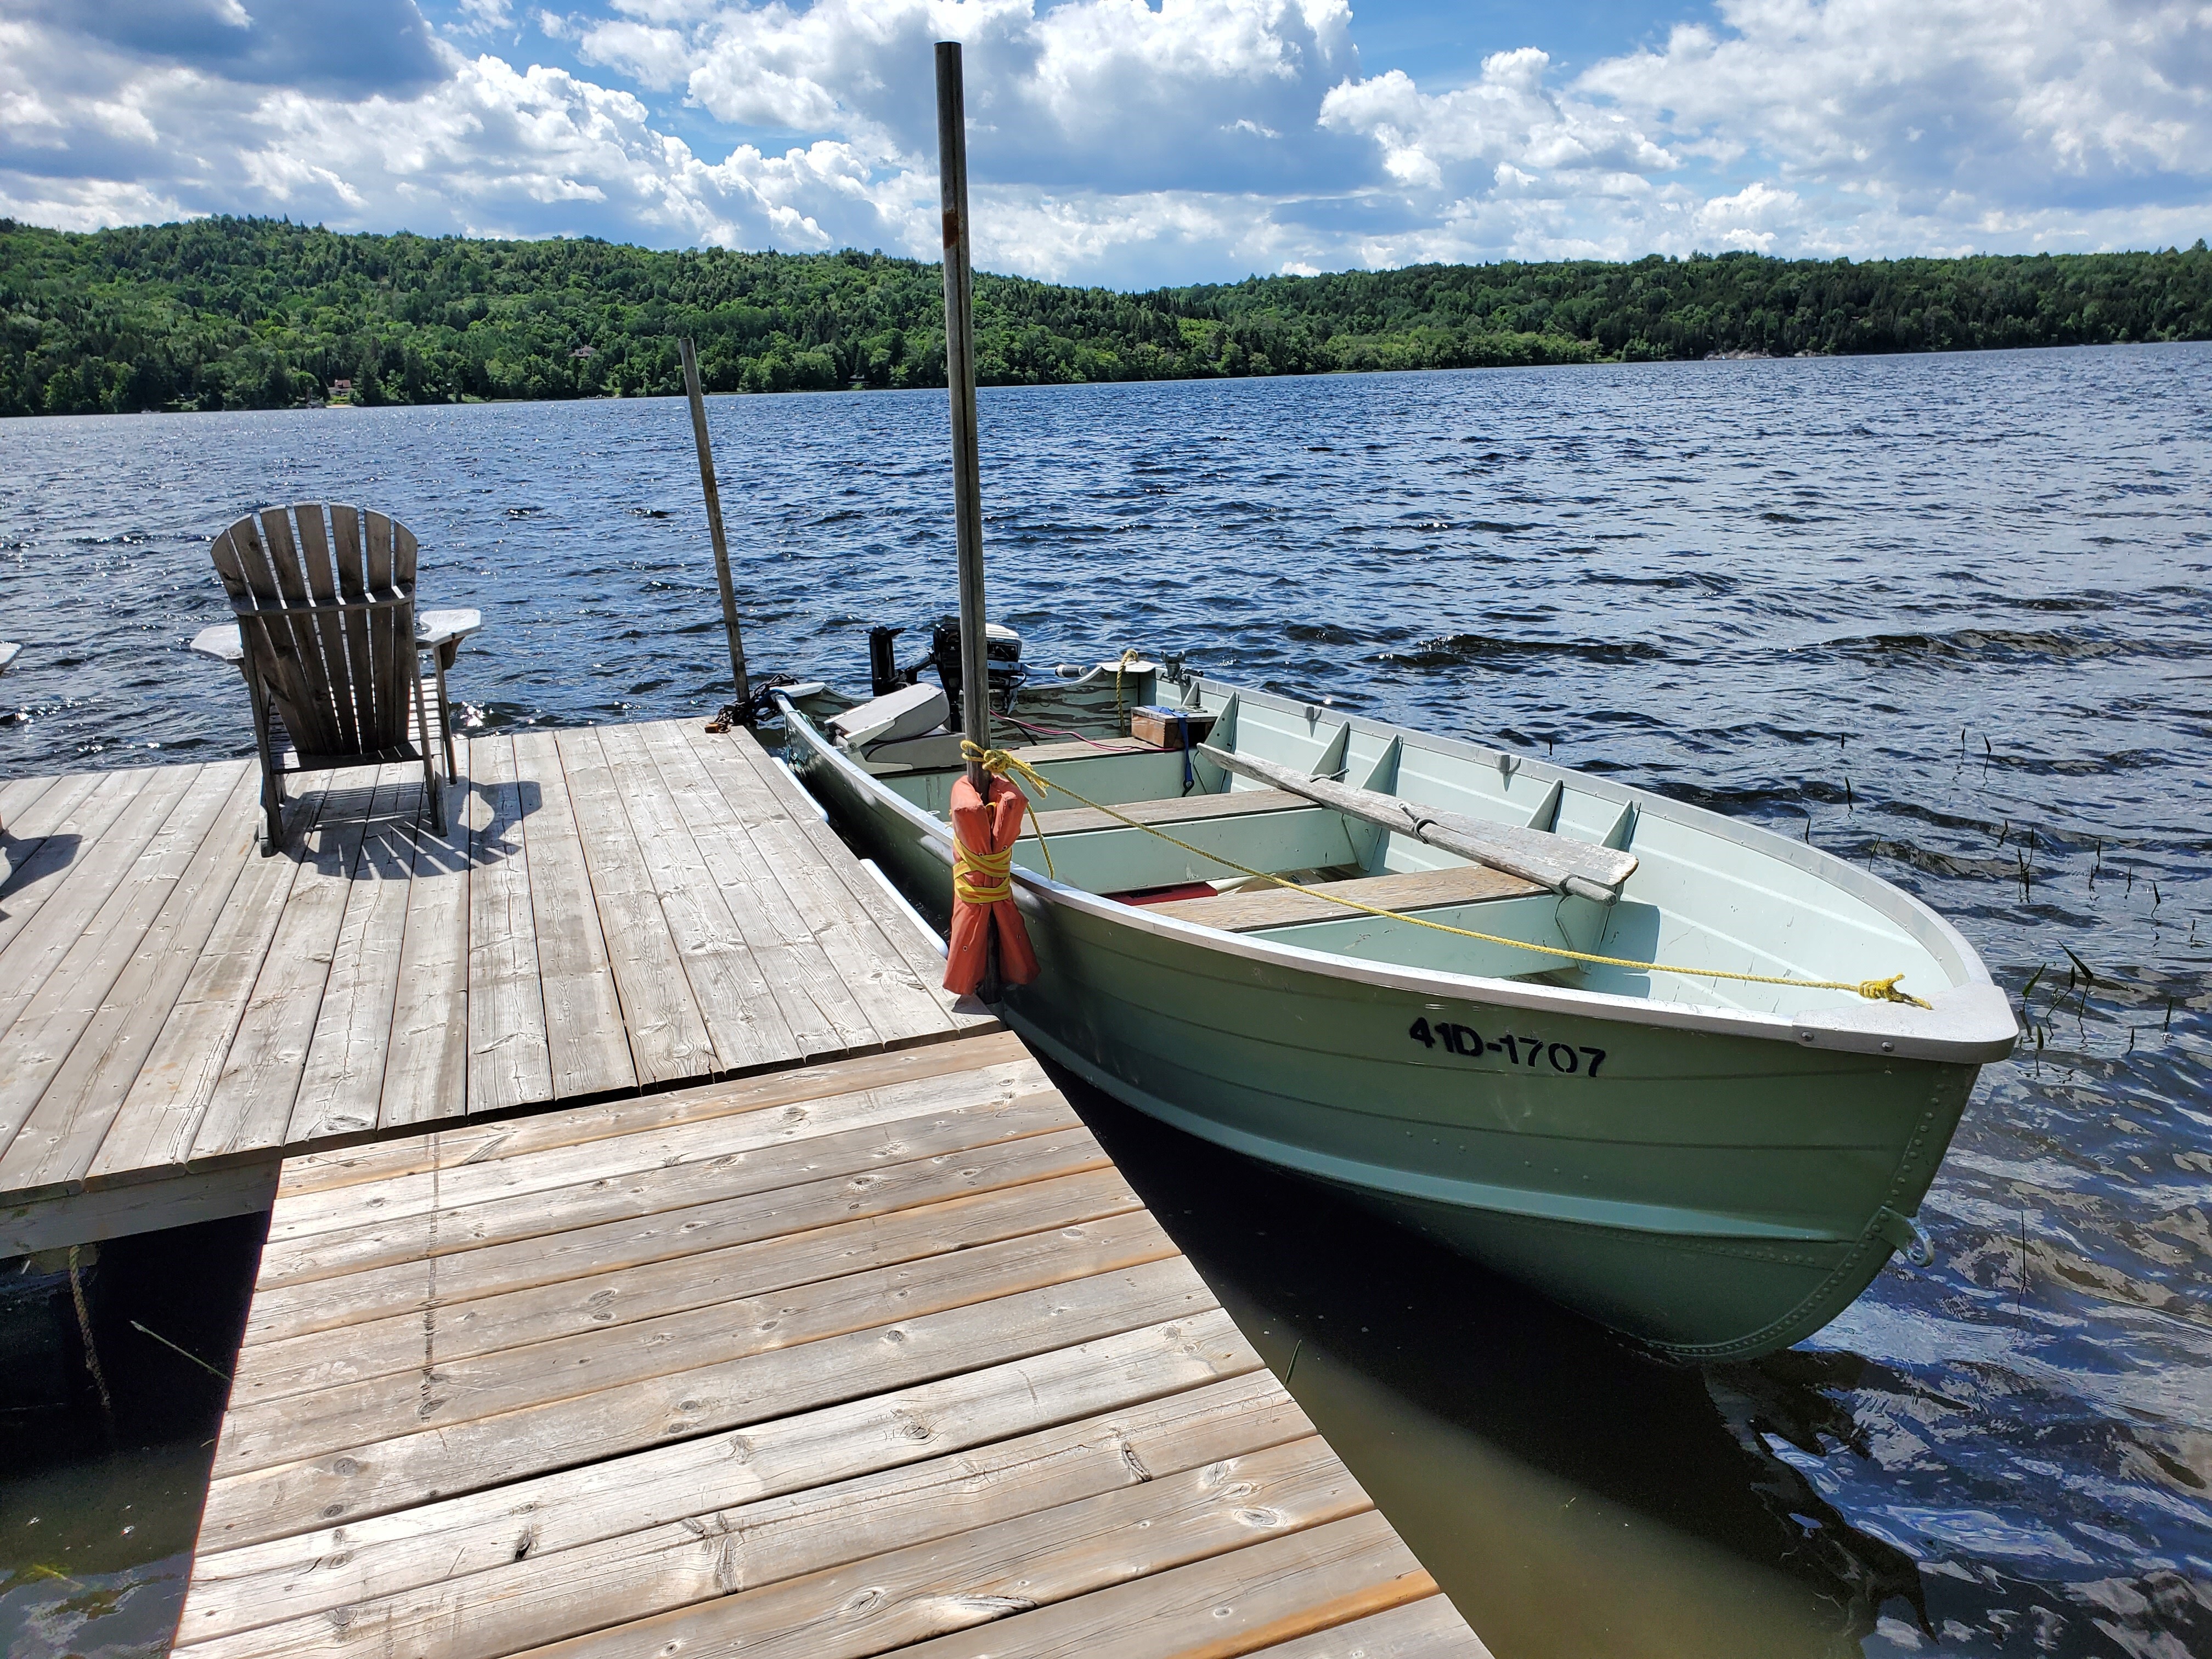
1190, 839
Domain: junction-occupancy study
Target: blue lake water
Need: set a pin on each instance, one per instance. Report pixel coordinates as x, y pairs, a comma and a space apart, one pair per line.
1948, 617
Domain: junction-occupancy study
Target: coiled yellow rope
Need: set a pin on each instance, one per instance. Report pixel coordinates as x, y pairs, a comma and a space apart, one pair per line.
981, 877
999, 762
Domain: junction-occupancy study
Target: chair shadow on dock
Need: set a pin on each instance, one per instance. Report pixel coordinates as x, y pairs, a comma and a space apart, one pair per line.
383, 830
20, 854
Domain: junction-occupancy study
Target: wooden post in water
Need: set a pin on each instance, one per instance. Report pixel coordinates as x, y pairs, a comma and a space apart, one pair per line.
960, 378
714, 524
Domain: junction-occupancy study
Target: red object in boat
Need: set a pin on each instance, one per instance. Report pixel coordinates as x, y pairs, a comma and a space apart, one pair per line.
982, 900
1164, 894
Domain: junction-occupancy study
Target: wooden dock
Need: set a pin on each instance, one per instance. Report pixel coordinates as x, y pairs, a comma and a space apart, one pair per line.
881, 1355
615, 909
659, 1261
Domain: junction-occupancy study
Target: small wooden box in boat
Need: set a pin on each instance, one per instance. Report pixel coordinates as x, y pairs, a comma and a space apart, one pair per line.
1167, 728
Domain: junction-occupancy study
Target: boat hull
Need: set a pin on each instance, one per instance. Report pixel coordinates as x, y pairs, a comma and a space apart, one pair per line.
1717, 1196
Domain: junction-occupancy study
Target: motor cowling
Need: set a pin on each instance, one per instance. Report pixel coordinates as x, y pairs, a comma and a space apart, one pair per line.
1002, 650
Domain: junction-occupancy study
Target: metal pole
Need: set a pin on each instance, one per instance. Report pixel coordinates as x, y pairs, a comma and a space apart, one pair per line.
960, 378
714, 524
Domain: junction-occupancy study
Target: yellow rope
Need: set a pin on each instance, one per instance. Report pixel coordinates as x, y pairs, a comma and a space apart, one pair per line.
998, 761
972, 869
1129, 659
993, 867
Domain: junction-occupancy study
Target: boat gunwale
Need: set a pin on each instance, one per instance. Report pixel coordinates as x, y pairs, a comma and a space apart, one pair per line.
1892, 1029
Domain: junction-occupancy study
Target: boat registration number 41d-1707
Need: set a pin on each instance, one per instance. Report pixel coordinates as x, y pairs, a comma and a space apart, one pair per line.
1531, 1051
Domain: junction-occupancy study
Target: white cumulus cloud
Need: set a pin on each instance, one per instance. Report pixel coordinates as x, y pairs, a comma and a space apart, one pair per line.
1946, 124
1121, 140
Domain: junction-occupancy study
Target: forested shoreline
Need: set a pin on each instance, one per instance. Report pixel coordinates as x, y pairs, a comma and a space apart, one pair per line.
258, 313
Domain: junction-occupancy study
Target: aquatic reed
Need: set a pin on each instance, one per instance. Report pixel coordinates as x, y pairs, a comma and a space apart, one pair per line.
188, 1353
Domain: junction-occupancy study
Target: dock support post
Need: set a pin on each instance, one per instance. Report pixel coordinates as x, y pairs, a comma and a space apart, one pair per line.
738, 675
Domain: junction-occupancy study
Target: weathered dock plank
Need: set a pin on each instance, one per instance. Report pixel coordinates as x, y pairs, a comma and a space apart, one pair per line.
154, 1132
75, 1044
17, 794
668, 1033
77, 900
509, 1064
63, 831
251, 1102
586, 1045
352, 1040
870, 1356
426, 1064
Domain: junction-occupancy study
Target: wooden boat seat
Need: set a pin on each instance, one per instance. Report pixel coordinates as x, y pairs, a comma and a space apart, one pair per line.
1187, 808
1037, 754
1410, 890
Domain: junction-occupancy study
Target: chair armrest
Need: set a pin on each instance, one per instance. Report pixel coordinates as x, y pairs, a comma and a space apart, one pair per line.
221, 642
443, 631
445, 627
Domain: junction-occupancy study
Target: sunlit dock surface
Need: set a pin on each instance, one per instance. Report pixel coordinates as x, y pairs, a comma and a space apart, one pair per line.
614, 909
878, 1356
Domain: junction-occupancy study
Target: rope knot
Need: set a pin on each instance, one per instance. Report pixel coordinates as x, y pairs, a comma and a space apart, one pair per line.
1885, 990
993, 761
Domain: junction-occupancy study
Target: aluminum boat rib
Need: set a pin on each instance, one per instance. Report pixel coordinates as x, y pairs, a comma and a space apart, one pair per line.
1717, 1168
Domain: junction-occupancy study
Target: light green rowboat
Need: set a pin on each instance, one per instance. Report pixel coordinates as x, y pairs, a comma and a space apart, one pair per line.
1717, 1167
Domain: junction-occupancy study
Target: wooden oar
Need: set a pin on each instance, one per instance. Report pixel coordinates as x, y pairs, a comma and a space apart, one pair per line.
1551, 861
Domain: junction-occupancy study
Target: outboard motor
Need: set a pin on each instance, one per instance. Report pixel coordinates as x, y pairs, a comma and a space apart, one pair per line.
1002, 650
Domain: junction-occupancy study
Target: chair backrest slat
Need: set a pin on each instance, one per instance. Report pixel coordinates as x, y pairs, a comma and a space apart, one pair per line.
343, 679
346, 548
317, 729
313, 545
243, 562
393, 656
402, 575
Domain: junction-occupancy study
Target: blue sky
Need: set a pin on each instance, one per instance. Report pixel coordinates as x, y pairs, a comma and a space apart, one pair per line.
1135, 141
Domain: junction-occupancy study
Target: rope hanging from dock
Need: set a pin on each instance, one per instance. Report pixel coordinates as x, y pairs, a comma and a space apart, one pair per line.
999, 762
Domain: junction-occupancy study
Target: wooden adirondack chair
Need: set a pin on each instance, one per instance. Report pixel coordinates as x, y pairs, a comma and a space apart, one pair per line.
330, 643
